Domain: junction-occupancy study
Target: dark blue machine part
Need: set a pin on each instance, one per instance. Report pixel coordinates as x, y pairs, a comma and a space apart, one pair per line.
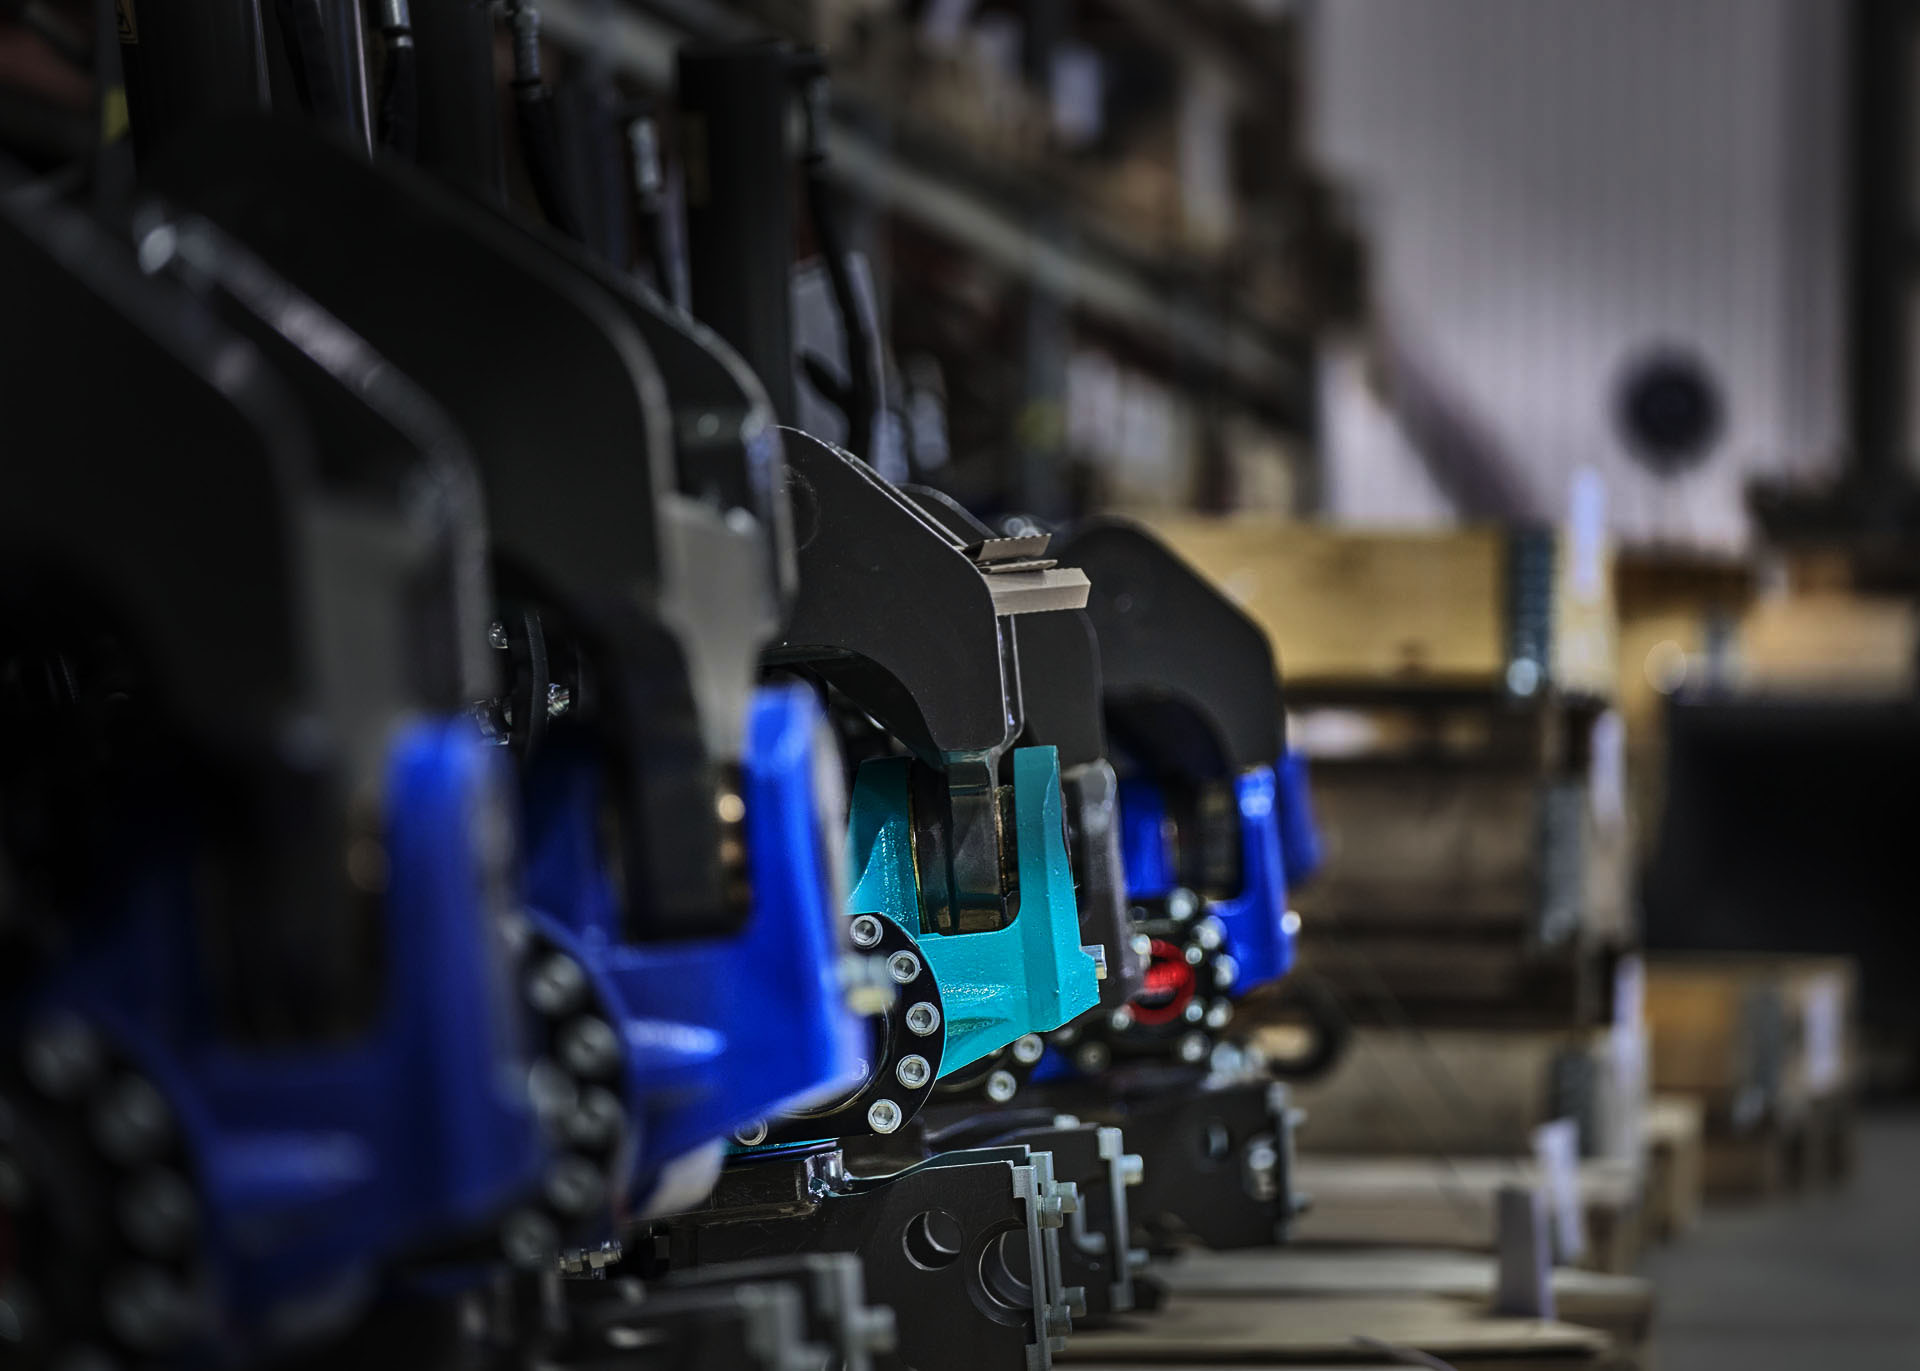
1256, 934
1299, 838
717, 1033
315, 1165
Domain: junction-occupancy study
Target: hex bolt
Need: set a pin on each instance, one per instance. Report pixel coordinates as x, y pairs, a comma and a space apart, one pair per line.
63, 1057
913, 1071
1210, 933
1182, 905
557, 985
596, 1120
1225, 971
1093, 1058
559, 699
1122, 1019
158, 1213
865, 930
1194, 954
589, 1047
923, 1018
529, 1239
903, 967
1001, 1087
131, 1121
574, 1185
1220, 1015
1194, 1012
1193, 1047
1027, 1050
883, 1116
751, 1135
552, 1089
497, 636
1142, 945
145, 1308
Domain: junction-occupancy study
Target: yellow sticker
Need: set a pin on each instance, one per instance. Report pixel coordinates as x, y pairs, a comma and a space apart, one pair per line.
113, 115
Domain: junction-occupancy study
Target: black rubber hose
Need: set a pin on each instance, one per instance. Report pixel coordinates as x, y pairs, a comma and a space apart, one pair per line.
539, 128
540, 145
858, 401
304, 31
1314, 1001
397, 120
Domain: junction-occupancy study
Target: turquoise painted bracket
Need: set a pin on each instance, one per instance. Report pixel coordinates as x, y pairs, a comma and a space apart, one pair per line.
1031, 976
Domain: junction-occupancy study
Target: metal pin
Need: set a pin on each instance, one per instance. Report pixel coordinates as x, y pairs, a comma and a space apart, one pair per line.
557, 985
63, 1057
159, 1213
595, 1121
574, 1185
131, 1121
529, 1239
589, 1047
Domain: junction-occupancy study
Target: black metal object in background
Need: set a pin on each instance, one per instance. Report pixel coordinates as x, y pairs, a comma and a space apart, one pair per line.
734, 101
187, 60
1873, 509
964, 1247
457, 124
1789, 826
1218, 1159
1190, 680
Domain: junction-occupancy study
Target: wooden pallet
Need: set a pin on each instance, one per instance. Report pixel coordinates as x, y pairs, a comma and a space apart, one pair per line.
1756, 1038
1619, 1306
1197, 1331
1808, 1150
1675, 1140
1474, 1091
1460, 982
1450, 1202
1355, 608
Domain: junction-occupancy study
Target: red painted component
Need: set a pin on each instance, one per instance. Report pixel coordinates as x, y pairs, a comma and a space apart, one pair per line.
1168, 989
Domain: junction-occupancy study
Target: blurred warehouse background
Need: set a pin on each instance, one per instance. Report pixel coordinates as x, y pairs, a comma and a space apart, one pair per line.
1636, 272
1542, 375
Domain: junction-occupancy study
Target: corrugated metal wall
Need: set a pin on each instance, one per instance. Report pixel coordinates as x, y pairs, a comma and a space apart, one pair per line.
1553, 187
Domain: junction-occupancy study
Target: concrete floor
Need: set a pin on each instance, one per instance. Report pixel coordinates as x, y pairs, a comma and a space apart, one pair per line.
1824, 1282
